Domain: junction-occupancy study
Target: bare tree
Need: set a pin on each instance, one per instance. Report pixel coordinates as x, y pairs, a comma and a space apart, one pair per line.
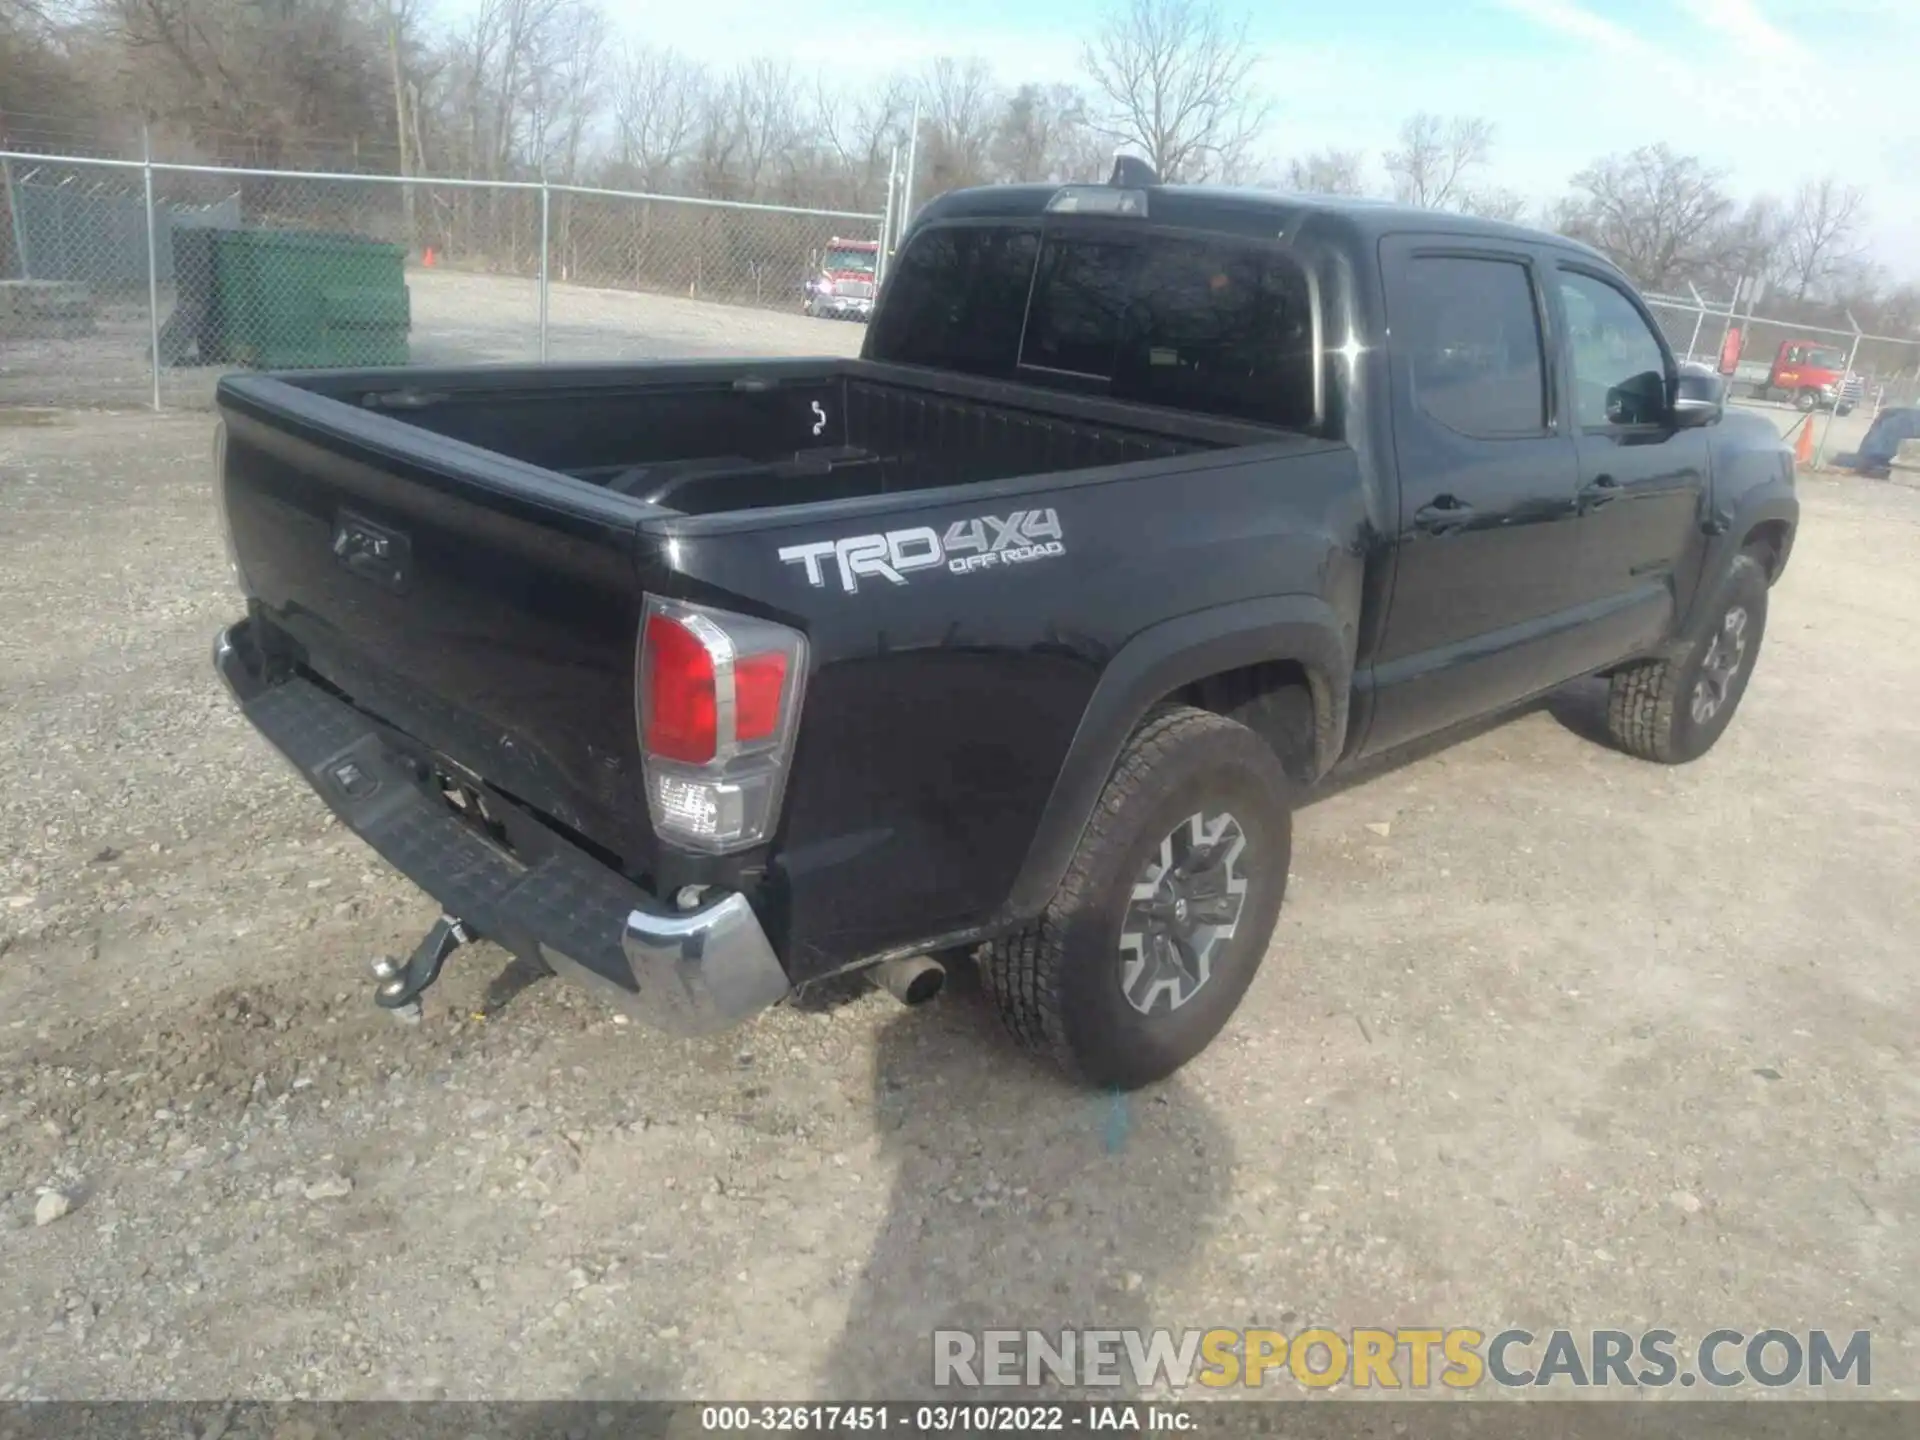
48, 98
1436, 156
1174, 78
507, 73
569, 88
1493, 202
749, 132
1327, 172
1748, 245
1043, 134
961, 108
1658, 215
1821, 234
857, 133
656, 108
264, 83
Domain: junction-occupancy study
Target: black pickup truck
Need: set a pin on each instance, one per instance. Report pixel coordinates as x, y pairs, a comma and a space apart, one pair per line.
1144, 508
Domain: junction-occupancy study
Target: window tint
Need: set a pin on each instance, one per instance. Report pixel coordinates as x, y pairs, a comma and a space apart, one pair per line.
1079, 299
1214, 326
1619, 370
1207, 326
1223, 328
956, 300
1472, 341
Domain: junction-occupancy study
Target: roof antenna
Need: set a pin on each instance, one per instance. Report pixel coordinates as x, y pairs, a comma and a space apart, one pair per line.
1131, 171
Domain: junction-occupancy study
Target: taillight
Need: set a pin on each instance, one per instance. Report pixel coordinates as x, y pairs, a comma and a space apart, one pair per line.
719, 698
679, 703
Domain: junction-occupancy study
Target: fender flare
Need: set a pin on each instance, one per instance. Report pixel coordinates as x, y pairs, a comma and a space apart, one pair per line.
1159, 660
1728, 530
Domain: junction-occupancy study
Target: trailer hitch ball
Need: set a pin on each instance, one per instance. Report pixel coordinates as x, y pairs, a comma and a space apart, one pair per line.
401, 986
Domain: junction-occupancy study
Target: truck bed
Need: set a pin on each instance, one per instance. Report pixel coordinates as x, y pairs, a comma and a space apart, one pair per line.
708, 438
463, 557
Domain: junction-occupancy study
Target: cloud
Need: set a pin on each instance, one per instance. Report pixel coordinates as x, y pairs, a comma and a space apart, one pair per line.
1569, 19
1741, 23
1773, 105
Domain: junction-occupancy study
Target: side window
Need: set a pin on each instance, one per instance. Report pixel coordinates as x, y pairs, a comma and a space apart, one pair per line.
957, 299
1472, 340
1619, 370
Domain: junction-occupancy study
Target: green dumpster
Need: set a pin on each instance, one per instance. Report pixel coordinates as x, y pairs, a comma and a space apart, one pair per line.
294, 300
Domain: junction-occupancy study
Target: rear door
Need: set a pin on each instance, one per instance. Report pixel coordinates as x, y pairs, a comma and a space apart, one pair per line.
1642, 480
1483, 579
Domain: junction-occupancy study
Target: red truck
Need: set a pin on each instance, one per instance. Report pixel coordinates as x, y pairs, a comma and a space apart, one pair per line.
845, 285
1810, 374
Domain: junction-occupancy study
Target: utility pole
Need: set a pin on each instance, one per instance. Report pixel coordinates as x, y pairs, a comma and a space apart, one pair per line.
886, 219
913, 151
400, 123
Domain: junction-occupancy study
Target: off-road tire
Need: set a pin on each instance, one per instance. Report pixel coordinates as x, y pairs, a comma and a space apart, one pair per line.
1058, 984
1650, 704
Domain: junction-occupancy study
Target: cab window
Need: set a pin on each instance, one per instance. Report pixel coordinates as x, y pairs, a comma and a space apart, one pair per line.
1619, 368
1217, 326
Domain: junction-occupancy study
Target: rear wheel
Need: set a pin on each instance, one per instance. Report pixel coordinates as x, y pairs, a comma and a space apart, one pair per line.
1165, 912
1673, 710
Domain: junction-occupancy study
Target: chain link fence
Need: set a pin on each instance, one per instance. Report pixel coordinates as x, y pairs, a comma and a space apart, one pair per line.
123, 283
1888, 366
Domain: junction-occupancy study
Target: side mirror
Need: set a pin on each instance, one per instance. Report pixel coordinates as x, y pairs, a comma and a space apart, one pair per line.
1700, 397
1638, 400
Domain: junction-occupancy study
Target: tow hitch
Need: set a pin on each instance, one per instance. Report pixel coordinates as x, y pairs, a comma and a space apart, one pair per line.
401, 985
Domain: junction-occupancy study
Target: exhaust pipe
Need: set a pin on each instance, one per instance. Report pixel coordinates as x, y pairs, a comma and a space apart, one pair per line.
913, 980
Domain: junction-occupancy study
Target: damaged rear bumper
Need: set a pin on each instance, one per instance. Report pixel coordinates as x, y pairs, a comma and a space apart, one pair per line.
686, 972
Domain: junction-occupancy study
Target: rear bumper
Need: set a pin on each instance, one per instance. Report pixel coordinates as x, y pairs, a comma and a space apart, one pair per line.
685, 972
843, 305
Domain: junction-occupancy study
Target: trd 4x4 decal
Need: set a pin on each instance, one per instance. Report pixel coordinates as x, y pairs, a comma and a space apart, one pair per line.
967, 546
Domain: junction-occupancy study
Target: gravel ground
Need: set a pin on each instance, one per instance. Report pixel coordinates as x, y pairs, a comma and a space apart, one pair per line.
1549, 1037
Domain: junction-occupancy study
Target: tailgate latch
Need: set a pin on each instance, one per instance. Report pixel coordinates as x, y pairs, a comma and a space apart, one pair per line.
373, 552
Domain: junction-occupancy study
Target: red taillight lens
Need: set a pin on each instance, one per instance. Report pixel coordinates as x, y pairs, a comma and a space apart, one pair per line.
758, 683
682, 718
719, 699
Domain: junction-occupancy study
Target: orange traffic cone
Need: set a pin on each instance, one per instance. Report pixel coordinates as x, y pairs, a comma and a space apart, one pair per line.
427, 259
1803, 449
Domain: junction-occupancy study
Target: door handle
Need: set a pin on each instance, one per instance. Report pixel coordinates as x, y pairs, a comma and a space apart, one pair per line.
1602, 490
1446, 512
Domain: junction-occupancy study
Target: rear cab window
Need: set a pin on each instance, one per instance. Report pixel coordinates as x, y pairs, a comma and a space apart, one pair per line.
957, 299
1206, 324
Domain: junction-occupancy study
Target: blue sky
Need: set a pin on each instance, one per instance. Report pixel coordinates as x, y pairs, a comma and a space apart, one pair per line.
1773, 91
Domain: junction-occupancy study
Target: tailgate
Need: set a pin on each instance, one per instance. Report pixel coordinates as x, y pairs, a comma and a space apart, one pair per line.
485, 607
